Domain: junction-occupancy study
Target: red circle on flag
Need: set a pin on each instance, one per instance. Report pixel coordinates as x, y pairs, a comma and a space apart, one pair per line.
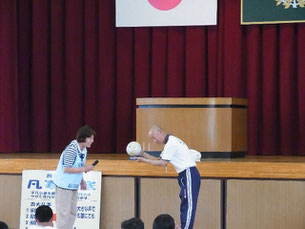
164, 4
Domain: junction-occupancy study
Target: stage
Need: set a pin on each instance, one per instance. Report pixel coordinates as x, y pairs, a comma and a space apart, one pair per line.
250, 192
265, 167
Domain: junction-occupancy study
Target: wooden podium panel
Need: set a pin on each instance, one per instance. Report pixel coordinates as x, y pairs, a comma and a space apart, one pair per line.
10, 198
160, 196
217, 127
265, 204
118, 201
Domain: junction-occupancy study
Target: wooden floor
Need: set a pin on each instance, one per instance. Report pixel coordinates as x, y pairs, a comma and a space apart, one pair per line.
263, 167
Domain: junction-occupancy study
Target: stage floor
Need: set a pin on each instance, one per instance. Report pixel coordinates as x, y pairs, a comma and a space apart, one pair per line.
249, 167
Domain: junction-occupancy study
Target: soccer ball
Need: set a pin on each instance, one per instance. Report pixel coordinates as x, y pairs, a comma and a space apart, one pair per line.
133, 148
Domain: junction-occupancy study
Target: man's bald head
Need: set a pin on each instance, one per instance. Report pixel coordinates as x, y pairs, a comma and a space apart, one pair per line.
157, 134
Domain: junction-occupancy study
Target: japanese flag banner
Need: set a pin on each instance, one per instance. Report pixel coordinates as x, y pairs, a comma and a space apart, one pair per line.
144, 13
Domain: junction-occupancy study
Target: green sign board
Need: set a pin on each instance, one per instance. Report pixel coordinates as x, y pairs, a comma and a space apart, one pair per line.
272, 11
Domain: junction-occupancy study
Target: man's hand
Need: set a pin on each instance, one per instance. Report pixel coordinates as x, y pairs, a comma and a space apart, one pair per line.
141, 154
140, 159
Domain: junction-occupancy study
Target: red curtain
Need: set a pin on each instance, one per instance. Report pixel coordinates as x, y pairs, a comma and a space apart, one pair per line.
9, 124
63, 64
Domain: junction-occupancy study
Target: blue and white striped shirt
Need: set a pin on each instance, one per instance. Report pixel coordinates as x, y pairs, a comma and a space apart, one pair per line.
69, 154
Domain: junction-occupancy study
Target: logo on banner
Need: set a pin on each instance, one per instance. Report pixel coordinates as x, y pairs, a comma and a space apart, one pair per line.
49, 184
293, 3
37, 184
164, 4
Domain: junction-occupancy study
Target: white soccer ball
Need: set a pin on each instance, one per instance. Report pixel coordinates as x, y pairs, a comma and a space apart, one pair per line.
133, 148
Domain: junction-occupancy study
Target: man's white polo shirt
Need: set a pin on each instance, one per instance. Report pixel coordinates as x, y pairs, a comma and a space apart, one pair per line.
177, 152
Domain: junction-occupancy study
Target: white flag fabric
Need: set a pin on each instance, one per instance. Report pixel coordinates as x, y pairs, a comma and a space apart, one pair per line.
142, 13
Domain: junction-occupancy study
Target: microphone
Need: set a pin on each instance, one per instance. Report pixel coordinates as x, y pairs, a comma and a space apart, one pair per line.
94, 163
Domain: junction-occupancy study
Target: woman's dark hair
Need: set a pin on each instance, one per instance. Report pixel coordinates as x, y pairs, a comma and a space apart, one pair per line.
164, 221
83, 133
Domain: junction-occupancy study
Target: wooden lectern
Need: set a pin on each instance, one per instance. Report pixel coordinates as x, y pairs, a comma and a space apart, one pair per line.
216, 127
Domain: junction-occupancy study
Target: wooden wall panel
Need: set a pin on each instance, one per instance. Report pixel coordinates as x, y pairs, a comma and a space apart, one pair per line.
118, 201
265, 204
159, 196
10, 199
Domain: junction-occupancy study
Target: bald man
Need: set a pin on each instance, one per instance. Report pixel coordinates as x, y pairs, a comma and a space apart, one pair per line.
178, 154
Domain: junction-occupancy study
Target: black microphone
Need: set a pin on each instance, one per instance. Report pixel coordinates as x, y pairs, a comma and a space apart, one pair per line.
94, 163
